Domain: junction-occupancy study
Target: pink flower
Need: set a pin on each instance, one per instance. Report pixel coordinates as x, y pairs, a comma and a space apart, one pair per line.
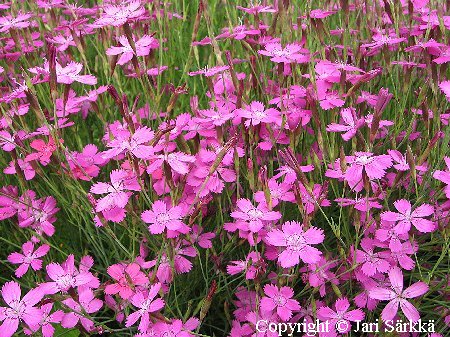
44, 150
28, 258
291, 53
19, 22
66, 276
160, 217
406, 217
143, 47
256, 9
296, 243
48, 317
119, 15
146, 304
125, 142
40, 216
444, 176
256, 113
445, 87
350, 126
374, 166
66, 75
128, 277
117, 194
251, 218
18, 309
279, 299
87, 304
253, 266
209, 71
7, 142
397, 296
341, 314
202, 239
178, 161
371, 261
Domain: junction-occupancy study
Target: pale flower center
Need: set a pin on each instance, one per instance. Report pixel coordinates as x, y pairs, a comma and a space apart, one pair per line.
279, 300
295, 242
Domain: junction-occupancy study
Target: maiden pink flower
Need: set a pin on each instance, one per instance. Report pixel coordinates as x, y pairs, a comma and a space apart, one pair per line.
128, 277
143, 47
279, 300
350, 126
371, 261
119, 15
295, 243
117, 194
87, 304
178, 161
66, 276
251, 218
125, 142
291, 53
48, 317
406, 217
30, 257
256, 113
147, 304
341, 314
44, 150
374, 166
444, 176
161, 217
398, 297
18, 310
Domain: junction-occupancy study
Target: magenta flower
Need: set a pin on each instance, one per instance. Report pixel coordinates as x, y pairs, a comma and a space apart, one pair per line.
28, 258
371, 261
374, 166
397, 296
178, 161
160, 217
117, 194
147, 304
209, 71
44, 150
66, 276
128, 276
279, 299
18, 310
256, 9
444, 176
143, 47
251, 218
48, 317
87, 304
256, 113
291, 53
341, 314
350, 126
66, 75
119, 15
295, 243
125, 142
19, 22
406, 217
40, 216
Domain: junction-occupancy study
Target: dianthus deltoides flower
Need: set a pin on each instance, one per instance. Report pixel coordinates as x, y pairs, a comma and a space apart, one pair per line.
18, 309
162, 217
279, 300
296, 243
398, 297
